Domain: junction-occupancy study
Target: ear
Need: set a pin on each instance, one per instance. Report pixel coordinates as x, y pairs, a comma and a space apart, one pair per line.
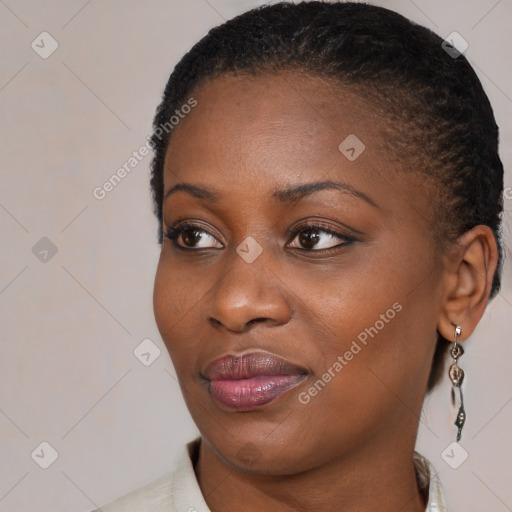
469, 270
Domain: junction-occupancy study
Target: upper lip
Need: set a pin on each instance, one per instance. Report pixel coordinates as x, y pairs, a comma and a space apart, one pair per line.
245, 366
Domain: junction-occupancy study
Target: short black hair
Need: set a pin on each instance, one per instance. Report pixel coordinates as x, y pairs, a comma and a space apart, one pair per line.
438, 117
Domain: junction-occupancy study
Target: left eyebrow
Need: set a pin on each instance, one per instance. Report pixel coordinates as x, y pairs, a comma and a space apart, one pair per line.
303, 190
282, 195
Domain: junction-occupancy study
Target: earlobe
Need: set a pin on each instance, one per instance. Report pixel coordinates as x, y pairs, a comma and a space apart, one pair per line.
469, 273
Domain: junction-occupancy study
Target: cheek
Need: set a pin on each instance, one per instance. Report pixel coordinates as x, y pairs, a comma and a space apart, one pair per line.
386, 342
165, 305
179, 298
380, 318
173, 303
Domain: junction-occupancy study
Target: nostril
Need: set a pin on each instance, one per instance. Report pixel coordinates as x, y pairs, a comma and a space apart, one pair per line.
254, 320
215, 322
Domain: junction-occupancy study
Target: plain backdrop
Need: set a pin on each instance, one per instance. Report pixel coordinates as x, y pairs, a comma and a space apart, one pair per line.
76, 272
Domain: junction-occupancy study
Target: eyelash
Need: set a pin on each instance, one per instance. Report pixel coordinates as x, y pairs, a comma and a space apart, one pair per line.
174, 231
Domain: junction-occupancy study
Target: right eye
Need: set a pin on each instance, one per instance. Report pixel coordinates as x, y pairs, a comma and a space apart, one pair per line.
191, 235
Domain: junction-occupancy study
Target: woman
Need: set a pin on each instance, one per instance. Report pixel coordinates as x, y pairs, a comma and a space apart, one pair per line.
328, 190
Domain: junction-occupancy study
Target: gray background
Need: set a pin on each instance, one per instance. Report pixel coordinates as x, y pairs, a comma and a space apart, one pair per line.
70, 323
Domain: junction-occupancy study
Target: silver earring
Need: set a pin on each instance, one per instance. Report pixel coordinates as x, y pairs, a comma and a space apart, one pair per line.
457, 376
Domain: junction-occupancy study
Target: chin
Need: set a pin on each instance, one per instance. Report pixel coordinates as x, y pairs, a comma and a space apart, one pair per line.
245, 452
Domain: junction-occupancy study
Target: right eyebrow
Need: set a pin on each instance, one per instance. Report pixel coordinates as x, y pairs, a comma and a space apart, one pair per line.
196, 191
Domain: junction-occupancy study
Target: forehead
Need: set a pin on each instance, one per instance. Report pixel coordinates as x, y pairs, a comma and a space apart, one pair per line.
284, 122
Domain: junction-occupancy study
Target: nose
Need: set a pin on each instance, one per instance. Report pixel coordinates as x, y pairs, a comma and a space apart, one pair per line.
248, 293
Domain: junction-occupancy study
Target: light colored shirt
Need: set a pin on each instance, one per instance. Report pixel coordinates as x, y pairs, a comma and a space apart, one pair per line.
178, 491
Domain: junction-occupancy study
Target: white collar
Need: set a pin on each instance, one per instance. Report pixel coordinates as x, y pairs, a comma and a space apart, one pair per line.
429, 483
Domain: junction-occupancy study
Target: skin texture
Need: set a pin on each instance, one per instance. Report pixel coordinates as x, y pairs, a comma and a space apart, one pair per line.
350, 448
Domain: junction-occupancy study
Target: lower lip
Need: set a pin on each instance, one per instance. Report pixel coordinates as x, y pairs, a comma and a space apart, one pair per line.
247, 394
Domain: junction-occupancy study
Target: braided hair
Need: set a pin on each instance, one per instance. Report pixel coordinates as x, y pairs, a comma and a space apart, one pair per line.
439, 121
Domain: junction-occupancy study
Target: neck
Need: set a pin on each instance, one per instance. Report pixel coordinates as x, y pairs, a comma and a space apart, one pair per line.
377, 476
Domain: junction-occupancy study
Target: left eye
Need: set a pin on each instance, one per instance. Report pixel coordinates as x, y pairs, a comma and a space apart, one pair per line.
318, 238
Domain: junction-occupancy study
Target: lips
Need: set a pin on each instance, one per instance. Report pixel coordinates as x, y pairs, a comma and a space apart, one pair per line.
249, 381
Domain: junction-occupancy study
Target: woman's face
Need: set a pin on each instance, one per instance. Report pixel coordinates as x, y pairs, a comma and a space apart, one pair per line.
337, 327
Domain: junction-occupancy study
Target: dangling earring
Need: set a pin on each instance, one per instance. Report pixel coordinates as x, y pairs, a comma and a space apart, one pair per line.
457, 376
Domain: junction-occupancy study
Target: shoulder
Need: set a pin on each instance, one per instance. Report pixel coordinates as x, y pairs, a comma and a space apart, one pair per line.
163, 493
